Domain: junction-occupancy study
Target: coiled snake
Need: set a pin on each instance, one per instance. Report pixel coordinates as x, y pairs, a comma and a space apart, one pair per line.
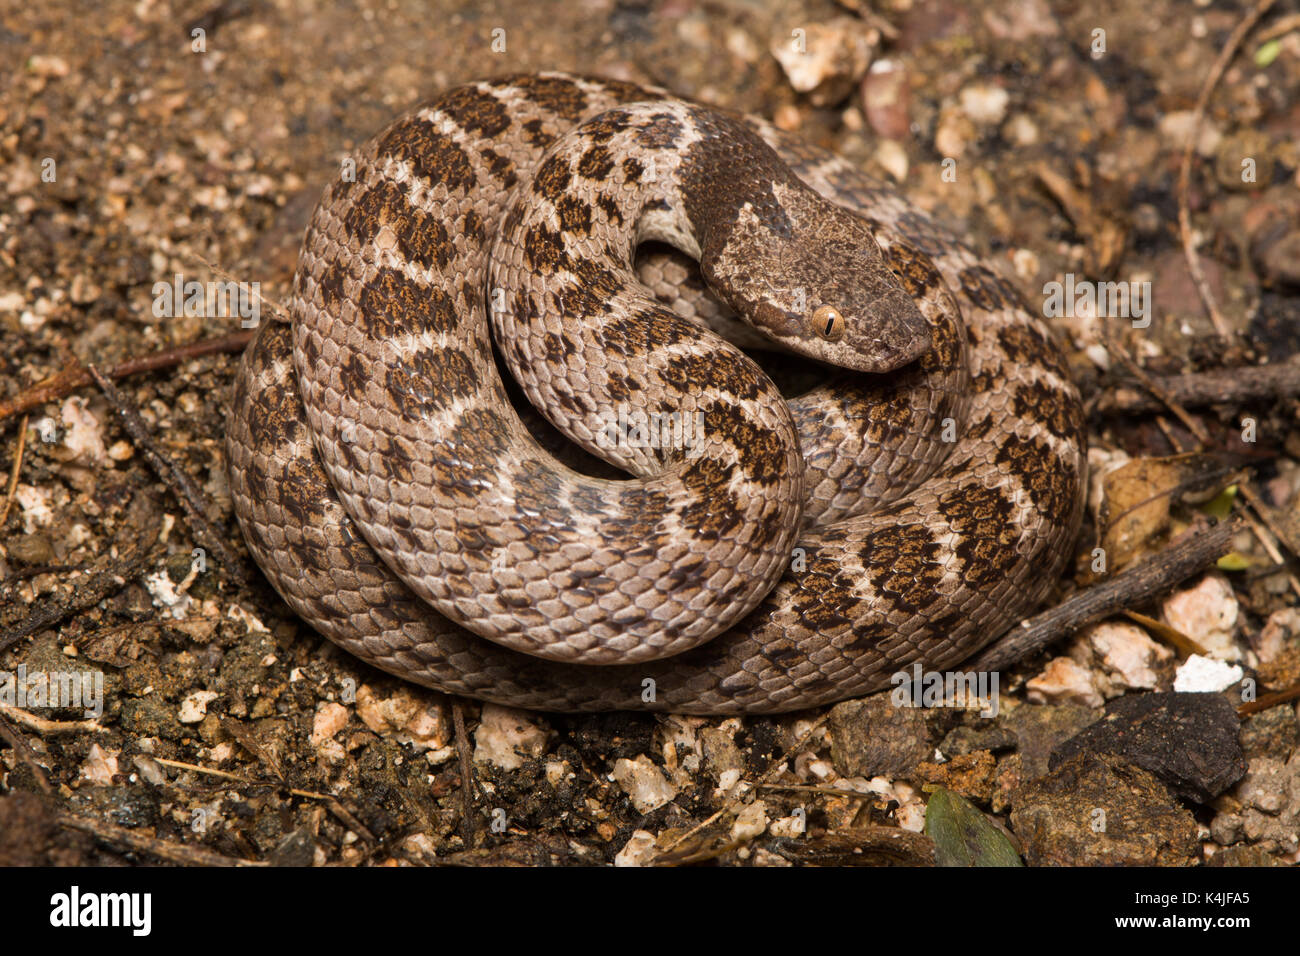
771, 555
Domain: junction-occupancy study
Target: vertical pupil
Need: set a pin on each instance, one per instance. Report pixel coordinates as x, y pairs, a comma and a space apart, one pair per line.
830, 324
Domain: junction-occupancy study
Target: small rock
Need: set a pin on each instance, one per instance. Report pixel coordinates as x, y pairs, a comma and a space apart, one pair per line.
825, 60
34, 549
1189, 741
720, 751
297, 849
507, 737
644, 783
791, 826
1021, 130
1275, 246
954, 133
1270, 733
1281, 629
1207, 613
1225, 828
750, 823
47, 65
195, 707
970, 775
886, 99
329, 720
35, 505
150, 770
1242, 856
872, 737
638, 851
892, 159
1127, 656
1176, 129
414, 717
1021, 20
1245, 161
1099, 810
83, 434
985, 105
1041, 729
1203, 675
100, 766
1063, 681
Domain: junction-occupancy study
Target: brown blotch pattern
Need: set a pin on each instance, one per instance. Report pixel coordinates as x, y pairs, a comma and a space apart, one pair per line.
427, 383
552, 179
421, 237
433, 156
1028, 346
1051, 485
983, 516
1037, 402
988, 290
555, 95
391, 303
904, 562
476, 111
596, 163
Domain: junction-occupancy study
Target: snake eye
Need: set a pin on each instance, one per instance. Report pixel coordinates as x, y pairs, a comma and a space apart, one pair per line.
828, 322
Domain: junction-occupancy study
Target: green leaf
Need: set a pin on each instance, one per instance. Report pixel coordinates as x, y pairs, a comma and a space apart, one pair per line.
1267, 53
1234, 561
963, 836
1220, 506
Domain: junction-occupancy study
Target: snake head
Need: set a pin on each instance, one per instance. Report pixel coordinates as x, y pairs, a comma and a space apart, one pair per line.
813, 280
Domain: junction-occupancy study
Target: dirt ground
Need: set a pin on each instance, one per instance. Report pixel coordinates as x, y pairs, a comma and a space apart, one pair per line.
144, 140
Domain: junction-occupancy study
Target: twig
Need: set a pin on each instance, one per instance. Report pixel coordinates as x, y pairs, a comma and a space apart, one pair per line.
1181, 641
1219, 387
13, 473
331, 803
171, 475
1165, 399
1194, 426
74, 376
468, 779
1185, 168
41, 725
108, 582
163, 849
1270, 522
1192, 552
1283, 26
1269, 700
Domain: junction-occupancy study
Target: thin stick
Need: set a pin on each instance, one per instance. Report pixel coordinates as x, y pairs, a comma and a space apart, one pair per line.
1185, 168
1283, 26
1194, 389
1190, 553
1165, 399
1269, 700
13, 473
468, 779
331, 802
171, 475
106, 583
163, 849
41, 725
74, 376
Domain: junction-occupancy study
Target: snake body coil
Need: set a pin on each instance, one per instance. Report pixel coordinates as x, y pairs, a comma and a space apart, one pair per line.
773, 555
